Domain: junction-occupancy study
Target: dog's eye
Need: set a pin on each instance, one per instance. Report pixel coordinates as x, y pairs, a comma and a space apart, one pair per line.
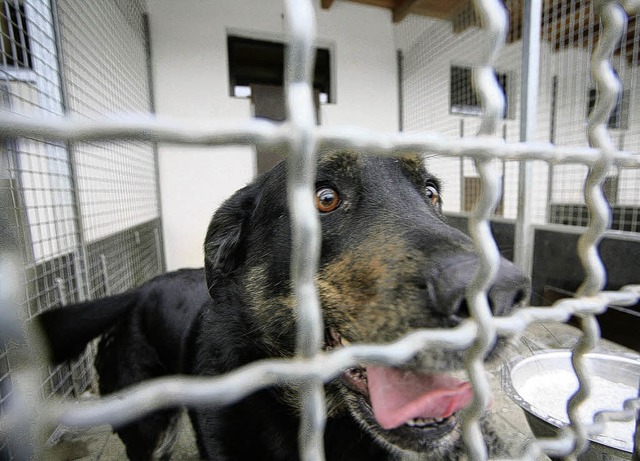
433, 194
327, 199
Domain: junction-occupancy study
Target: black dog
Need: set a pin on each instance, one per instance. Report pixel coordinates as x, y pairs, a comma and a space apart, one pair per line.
390, 264
149, 333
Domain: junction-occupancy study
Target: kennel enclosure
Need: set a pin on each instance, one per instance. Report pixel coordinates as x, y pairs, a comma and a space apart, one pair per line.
87, 213
80, 181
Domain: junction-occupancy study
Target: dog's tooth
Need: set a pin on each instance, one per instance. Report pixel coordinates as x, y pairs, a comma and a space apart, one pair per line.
344, 342
416, 422
424, 422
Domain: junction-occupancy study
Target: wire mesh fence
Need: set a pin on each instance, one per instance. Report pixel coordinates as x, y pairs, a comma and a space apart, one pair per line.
569, 31
69, 244
566, 95
86, 214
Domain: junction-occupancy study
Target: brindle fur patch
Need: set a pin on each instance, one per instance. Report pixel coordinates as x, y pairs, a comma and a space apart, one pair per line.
341, 163
363, 295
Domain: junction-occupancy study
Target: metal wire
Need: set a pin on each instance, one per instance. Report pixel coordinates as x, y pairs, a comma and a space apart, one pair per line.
165, 129
310, 368
494, 21
305, 223
613, 21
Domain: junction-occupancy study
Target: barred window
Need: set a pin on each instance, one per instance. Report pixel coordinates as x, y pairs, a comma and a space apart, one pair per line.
463, 98
16, 50
261, 62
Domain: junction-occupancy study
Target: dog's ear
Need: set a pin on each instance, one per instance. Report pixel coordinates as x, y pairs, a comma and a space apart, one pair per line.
224, 250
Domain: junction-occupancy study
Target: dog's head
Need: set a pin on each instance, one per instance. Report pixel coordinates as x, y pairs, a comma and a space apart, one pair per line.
390, 264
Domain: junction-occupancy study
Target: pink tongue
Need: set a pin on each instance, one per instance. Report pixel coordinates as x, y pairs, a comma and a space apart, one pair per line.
398, 396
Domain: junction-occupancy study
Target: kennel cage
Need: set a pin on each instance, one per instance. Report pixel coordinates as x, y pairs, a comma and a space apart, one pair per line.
86, 214
78, 244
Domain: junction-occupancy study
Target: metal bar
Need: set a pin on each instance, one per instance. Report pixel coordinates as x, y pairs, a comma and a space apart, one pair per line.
5, 52
305, 224
493, 18
81, 259
167, 392
152, 110
489, 257
613, 21
553, 109
523, 238
105, 274
279, 135
159, 252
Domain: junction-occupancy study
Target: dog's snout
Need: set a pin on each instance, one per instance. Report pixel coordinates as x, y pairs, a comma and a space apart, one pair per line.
510, 288
449, 285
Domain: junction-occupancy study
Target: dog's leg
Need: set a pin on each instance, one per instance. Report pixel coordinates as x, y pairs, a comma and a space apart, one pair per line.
125, 358
151, 438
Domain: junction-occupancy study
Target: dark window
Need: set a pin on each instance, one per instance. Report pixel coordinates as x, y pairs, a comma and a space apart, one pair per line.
618, 118
261, 62
16, 50
463, 98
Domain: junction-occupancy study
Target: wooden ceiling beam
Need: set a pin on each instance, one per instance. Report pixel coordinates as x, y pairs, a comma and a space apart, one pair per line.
402, 9
326, 4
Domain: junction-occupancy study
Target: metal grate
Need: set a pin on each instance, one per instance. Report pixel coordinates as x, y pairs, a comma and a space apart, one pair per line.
569, 31
566, 93
310, 368
86, 214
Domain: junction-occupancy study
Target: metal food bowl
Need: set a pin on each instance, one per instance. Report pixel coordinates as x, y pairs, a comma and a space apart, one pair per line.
542, 384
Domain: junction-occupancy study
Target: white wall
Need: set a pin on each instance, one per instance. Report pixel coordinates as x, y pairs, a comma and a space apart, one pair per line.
190, 73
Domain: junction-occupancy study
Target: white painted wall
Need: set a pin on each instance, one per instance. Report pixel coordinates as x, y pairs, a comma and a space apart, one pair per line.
190, 74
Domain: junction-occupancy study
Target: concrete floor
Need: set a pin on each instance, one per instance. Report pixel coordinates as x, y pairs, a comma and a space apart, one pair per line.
100, 444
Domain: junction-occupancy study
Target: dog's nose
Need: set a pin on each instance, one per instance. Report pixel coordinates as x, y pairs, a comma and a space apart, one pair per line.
448, 286
510, 288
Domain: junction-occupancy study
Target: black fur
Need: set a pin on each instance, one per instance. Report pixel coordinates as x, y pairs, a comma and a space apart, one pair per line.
390, 264
148, 333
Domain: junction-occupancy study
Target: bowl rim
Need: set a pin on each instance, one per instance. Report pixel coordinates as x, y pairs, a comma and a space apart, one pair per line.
510, 390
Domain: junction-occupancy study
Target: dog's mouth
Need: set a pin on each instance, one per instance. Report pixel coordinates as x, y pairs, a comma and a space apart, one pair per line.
400, 398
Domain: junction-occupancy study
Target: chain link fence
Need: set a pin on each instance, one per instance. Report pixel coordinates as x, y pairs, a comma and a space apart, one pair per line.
72, 237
